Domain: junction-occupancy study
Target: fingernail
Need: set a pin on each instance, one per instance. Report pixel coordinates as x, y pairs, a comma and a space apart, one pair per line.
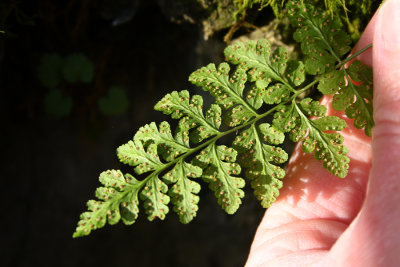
390, 25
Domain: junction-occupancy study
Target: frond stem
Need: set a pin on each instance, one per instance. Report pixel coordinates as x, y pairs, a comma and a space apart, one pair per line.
342, 63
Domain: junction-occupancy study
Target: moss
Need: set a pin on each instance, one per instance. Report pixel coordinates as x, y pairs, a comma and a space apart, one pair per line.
230, 13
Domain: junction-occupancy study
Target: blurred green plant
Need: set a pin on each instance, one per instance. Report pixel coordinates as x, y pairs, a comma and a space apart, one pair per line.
54, 70
77, 68
56, 104
49, 70
115, 102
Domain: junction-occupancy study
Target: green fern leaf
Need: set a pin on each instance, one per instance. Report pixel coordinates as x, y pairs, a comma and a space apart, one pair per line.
286, 119
135, 154
258, 157
361, 110
295, 73
219, 167
312, 108
228, 91
265, 67
322, 40
155, 198
168, 146
355, 99
236, 116
118, 200
179, 104
326, 146
183, 192
276, 93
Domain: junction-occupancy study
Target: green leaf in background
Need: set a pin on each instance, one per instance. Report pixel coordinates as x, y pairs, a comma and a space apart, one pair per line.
49, 70
57, 104
115, 102
77, 68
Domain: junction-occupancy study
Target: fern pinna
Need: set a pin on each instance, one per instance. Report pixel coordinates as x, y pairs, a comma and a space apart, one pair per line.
172, 160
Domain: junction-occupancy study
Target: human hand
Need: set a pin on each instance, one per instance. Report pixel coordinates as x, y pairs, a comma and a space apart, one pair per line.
322, 220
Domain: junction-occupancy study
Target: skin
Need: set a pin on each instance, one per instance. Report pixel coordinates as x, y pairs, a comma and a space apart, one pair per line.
322, 220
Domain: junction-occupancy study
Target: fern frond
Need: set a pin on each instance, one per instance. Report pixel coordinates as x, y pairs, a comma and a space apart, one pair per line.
169, 161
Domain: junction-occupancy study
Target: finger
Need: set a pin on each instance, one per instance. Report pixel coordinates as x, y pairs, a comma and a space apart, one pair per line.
386, 134
365, 40
373, 239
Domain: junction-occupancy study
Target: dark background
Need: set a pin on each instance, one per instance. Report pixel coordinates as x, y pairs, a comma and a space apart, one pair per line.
50, 165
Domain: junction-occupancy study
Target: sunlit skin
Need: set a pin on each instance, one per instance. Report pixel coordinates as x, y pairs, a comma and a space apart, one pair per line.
322, 220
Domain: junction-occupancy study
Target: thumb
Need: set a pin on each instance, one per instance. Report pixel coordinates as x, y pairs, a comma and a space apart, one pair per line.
386, 64
383, 196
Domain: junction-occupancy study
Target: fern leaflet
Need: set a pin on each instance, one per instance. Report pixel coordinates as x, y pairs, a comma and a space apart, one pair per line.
259, 158
119, 201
